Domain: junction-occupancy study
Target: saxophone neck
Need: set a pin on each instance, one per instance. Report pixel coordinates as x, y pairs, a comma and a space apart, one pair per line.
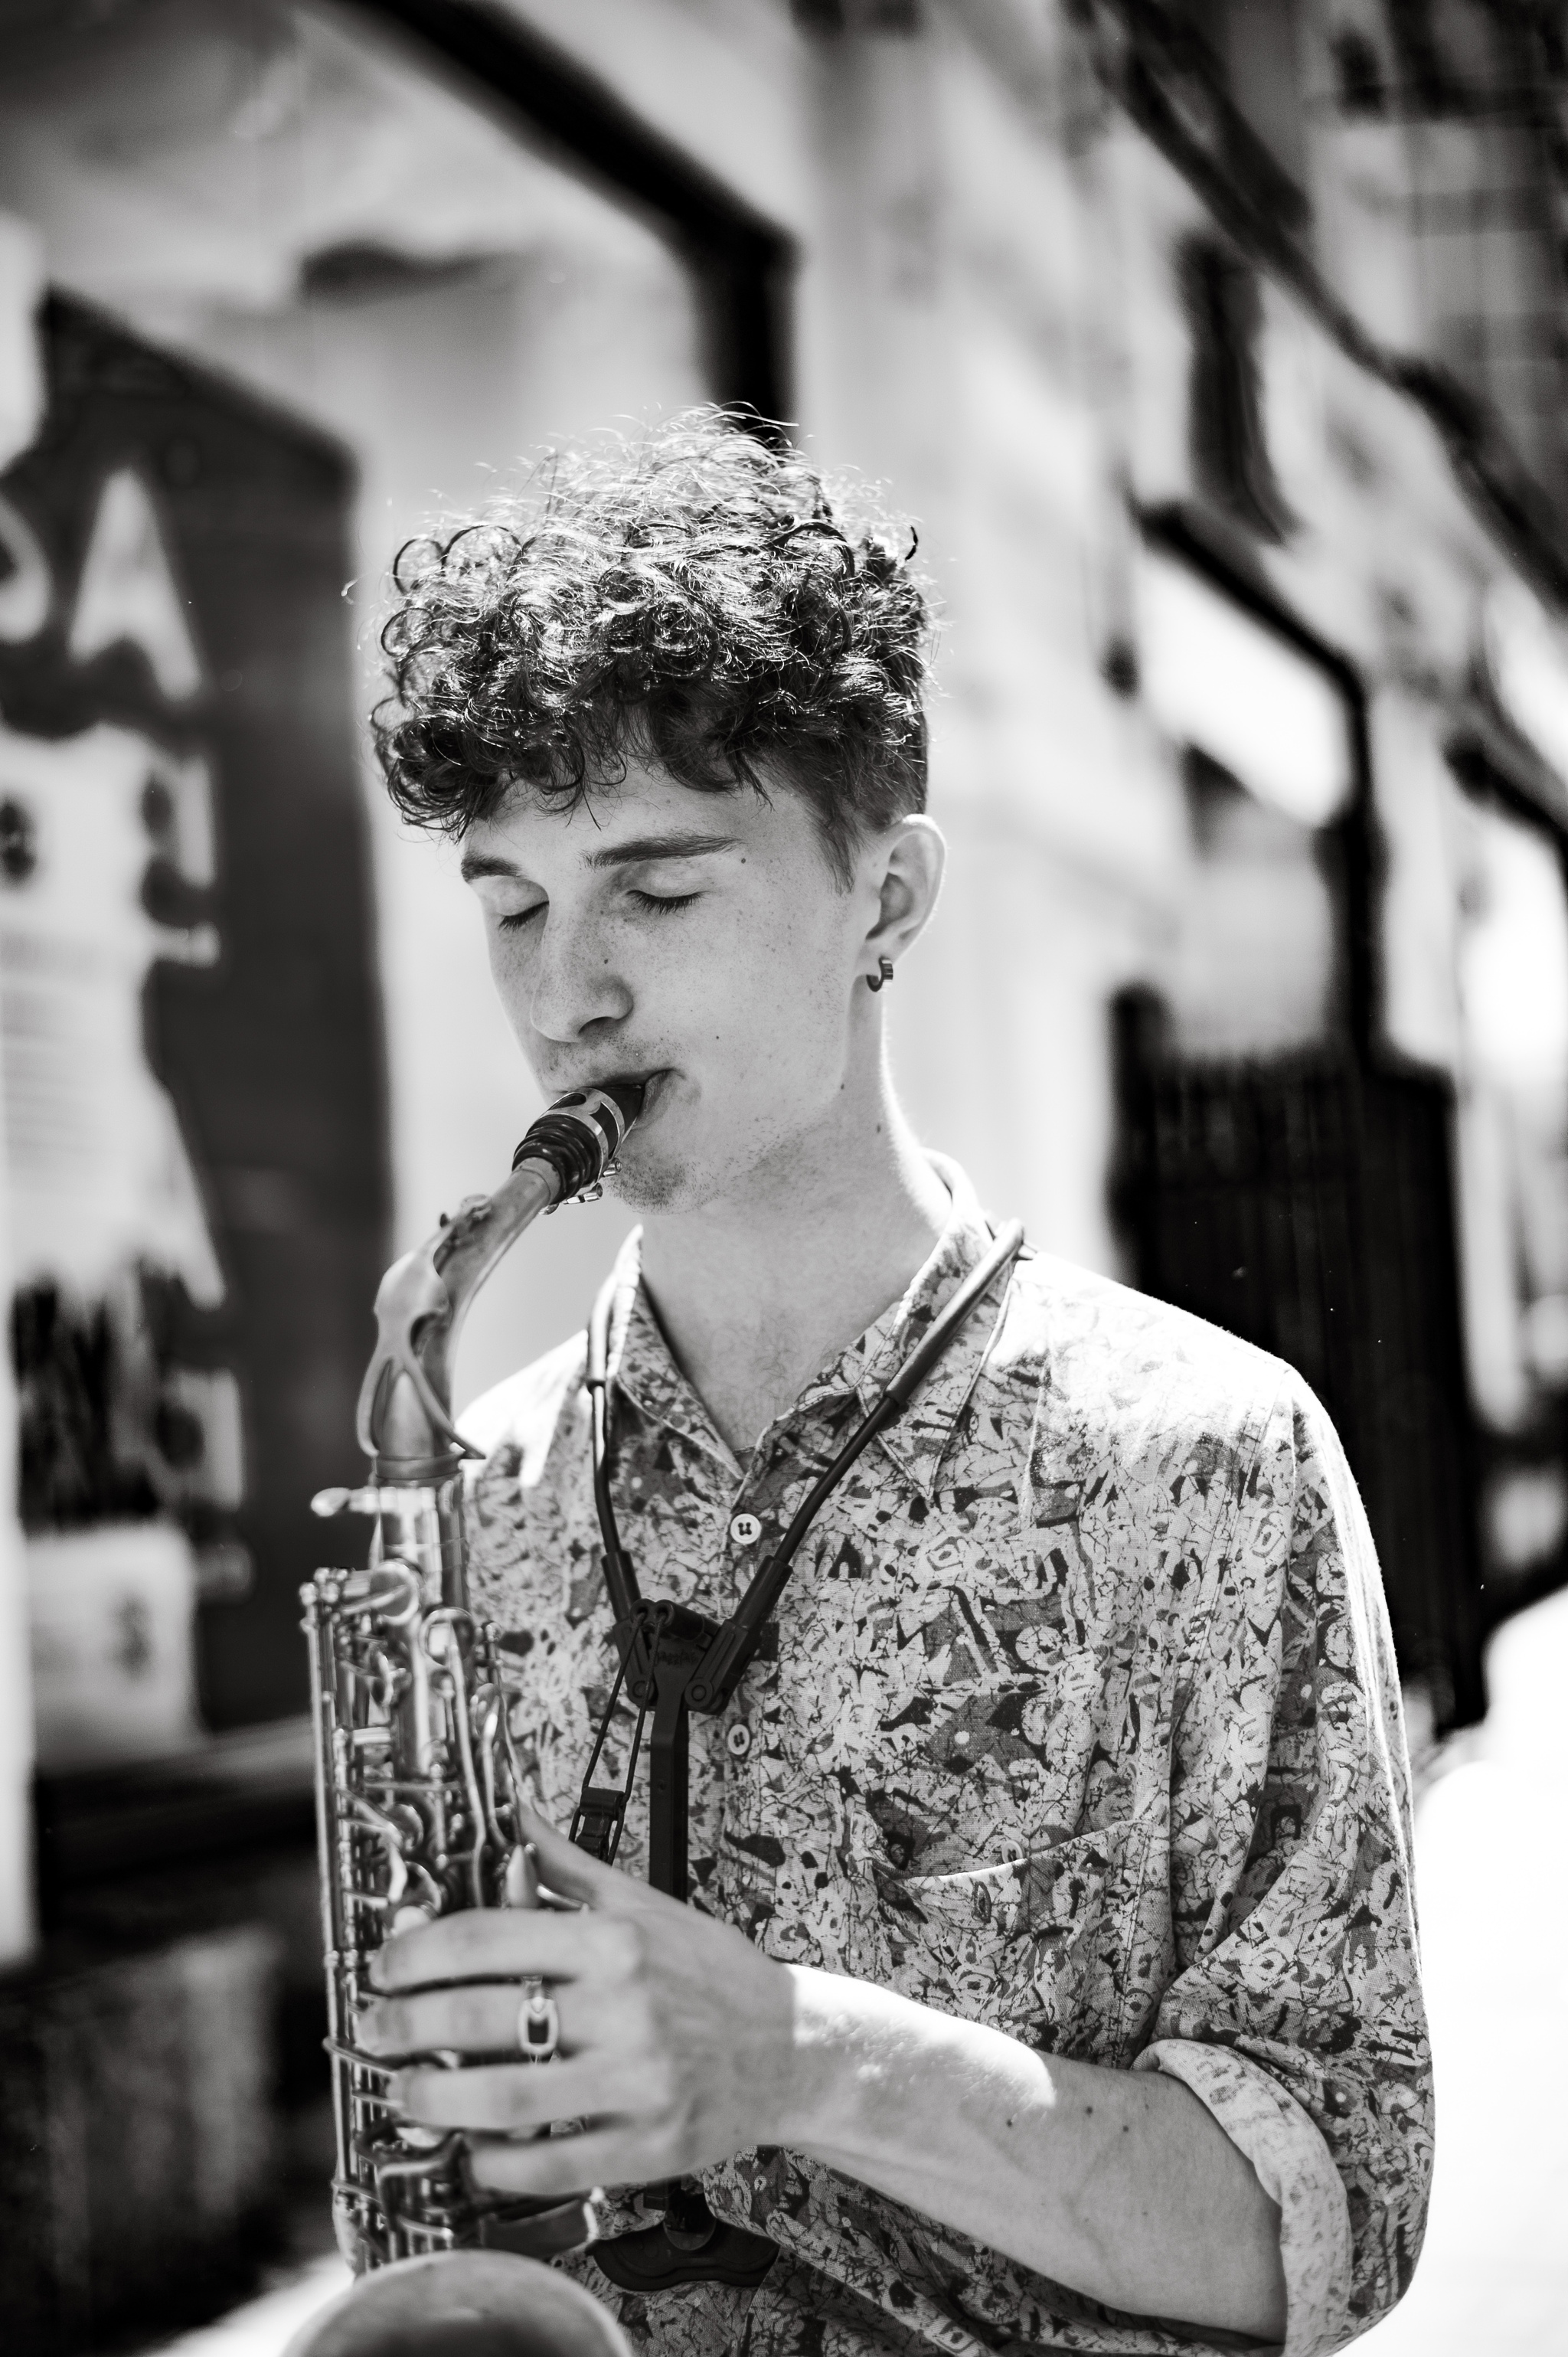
405, 1402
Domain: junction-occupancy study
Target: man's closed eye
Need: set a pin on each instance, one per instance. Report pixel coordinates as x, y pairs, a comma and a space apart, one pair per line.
656, 904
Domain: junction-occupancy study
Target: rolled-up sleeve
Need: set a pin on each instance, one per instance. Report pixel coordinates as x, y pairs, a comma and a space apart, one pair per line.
1296, 2014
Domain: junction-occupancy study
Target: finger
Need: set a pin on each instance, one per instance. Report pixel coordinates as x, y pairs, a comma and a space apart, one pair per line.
571, 1872
506, 1942
513, 2098
479, 2018
556, 2166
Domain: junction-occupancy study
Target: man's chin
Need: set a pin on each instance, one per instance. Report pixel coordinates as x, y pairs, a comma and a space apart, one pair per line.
648, 1182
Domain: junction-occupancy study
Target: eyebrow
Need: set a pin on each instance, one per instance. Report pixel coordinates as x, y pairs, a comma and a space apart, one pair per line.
690, 843
480, 863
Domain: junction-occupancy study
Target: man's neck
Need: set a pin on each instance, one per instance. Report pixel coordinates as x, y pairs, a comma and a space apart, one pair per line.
757, 1293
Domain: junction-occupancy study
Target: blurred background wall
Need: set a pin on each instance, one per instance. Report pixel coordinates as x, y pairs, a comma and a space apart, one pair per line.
1217, 350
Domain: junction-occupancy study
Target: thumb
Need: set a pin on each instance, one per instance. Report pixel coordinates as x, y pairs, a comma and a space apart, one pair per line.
566, 1870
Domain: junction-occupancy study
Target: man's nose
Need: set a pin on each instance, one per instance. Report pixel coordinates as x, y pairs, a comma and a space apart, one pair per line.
576, 982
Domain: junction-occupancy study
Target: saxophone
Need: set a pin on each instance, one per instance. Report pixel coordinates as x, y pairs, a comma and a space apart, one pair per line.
418, 1786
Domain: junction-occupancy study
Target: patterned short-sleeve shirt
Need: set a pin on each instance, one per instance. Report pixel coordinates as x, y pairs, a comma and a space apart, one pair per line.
1078, 1716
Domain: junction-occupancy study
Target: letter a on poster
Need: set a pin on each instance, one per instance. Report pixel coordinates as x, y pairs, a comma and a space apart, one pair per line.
128, 591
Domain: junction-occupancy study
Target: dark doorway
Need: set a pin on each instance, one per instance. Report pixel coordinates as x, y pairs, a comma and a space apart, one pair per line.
1302, 1196
1305, 1204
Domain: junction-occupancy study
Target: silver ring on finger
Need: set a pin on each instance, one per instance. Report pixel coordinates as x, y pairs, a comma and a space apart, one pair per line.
538, 2022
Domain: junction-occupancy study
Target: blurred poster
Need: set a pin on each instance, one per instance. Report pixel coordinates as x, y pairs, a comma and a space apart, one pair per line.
191, 1051
101, 1176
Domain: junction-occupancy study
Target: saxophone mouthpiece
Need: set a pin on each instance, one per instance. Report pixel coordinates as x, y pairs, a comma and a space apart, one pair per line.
580, 1135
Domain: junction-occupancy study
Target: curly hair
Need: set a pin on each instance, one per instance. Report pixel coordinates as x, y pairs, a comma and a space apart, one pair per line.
691, 598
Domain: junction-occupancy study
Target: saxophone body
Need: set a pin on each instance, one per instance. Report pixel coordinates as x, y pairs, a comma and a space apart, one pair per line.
418, 1791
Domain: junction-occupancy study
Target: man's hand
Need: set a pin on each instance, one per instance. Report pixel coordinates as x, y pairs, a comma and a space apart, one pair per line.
676, 2043
682, 2044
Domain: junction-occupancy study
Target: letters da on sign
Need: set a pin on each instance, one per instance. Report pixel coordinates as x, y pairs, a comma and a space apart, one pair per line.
127, 593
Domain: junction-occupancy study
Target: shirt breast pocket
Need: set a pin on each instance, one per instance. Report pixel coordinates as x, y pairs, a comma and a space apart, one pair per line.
1037, 1944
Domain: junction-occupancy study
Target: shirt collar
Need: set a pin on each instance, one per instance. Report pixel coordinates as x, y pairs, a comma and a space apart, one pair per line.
641, 1365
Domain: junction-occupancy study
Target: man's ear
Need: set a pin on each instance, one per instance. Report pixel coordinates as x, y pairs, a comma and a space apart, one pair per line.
908, 873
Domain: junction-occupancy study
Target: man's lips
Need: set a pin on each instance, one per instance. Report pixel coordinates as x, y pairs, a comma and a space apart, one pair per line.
649, 1079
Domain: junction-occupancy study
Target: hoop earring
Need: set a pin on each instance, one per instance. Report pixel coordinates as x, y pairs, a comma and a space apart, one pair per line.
883, 975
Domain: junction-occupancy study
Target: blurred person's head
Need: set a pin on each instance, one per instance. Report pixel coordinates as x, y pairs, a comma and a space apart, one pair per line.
669, 697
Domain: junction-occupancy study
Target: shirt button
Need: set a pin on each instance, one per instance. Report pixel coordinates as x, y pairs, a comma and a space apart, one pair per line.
738, 1740
746, 1529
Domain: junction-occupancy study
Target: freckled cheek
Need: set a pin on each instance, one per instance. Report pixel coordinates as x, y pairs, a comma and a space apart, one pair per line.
795, 950
707, 974
782, 990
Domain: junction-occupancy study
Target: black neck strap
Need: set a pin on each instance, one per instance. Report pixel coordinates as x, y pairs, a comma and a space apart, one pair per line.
676, 1661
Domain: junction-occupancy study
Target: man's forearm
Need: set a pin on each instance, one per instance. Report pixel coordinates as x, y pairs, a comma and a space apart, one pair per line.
1121, 2185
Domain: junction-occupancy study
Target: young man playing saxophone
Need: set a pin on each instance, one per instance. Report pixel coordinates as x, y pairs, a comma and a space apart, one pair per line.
1050, 1974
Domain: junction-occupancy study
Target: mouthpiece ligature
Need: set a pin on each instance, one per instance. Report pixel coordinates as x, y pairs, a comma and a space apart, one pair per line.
579, 1136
